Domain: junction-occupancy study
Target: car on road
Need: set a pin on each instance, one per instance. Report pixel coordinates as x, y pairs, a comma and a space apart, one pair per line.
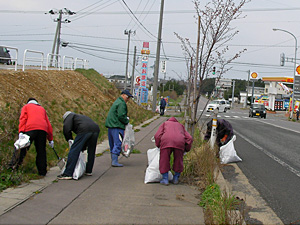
216, 104
228, 104
258, 110
5, 56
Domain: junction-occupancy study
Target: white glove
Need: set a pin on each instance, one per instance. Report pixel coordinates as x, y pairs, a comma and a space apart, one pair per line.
51, 143
20, 135
70, 143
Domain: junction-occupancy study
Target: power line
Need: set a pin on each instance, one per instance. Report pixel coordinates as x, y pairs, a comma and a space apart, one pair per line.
89, 13
138, 19
155, 12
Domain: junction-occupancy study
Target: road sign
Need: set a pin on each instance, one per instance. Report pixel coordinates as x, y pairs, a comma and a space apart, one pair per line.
254, 75
297, 87
298, 70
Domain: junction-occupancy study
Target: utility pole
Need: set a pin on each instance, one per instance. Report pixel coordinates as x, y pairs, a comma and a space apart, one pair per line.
155, 83
246, 102
56, 42
232, 97
127, 32
58, 35
133, 68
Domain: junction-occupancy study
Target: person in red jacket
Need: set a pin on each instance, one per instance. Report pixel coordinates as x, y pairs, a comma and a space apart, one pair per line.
172, 137
35, 123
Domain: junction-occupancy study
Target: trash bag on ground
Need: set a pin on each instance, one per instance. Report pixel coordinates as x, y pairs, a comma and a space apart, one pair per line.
152, 171
79, 168
228, 153
128, 141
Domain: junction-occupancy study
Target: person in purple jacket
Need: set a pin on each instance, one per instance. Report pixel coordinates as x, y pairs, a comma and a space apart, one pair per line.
172, 137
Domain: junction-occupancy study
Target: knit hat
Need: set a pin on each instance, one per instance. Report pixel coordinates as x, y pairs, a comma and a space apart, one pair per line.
66, 114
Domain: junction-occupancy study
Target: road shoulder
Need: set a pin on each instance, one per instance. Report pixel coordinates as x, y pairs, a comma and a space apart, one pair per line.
256, 209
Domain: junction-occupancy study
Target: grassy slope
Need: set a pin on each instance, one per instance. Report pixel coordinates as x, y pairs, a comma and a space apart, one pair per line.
81, 91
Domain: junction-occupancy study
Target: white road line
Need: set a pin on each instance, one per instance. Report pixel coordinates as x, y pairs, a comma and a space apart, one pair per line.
281, 127
293, 170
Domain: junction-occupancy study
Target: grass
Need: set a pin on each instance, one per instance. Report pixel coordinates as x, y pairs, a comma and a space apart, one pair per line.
199, 166
145, 125
136, 151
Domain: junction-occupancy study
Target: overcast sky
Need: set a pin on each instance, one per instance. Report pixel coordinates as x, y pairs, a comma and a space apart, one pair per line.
96, 33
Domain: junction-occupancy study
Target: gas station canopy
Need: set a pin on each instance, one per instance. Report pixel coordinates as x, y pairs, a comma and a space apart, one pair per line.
279, 79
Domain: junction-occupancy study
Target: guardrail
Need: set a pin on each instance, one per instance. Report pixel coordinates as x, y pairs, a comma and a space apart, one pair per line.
56, 61
79, 60
14, 61
68, 61
33, 59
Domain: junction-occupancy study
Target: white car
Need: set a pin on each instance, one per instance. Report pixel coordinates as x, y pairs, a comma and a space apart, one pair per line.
217, 104
228, 104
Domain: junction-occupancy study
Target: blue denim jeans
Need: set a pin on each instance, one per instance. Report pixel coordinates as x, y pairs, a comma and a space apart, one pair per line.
115, 143
82, 141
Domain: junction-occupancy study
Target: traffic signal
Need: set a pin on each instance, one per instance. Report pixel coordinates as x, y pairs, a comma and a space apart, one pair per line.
214, 70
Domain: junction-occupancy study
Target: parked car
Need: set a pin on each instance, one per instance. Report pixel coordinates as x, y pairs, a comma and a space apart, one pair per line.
258, 110
5, 56
216, 104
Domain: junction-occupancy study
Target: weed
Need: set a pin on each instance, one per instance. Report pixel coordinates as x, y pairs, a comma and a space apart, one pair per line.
136, 130
146, 124
199, 166
135, 151
220, 206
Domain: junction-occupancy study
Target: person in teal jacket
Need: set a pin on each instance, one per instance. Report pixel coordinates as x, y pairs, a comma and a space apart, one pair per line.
115, 122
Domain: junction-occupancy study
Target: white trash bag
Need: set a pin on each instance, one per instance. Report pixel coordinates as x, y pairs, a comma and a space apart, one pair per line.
79, 168
228, 153
152, 171
128, 141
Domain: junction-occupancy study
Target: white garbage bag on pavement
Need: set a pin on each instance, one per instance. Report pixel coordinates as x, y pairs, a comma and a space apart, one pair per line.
79, 168
152, 171
228, 153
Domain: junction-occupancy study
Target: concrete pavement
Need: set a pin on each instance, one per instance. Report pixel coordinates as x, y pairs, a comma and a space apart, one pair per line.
111, 196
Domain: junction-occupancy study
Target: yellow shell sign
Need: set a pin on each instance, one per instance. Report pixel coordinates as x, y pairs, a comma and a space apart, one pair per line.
254, 75
298, 70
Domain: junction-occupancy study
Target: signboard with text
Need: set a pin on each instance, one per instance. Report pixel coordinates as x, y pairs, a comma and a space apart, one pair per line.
143, 76
297, 87
144, 95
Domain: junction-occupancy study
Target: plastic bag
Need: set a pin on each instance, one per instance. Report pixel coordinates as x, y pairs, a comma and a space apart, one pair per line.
79, 168
22, 142
228, 153
152, 171
128, 141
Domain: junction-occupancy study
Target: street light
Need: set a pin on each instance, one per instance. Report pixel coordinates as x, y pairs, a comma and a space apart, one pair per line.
293, 104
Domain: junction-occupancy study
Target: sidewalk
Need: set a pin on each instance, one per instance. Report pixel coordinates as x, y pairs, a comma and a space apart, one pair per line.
111, 196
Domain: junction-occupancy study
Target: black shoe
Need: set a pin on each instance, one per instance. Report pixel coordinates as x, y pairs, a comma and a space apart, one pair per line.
64, 177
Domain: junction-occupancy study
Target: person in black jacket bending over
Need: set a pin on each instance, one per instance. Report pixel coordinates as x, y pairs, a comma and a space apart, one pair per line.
87, 132
224, 132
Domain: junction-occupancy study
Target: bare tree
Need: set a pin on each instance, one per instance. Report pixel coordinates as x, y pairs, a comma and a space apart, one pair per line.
215, 32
